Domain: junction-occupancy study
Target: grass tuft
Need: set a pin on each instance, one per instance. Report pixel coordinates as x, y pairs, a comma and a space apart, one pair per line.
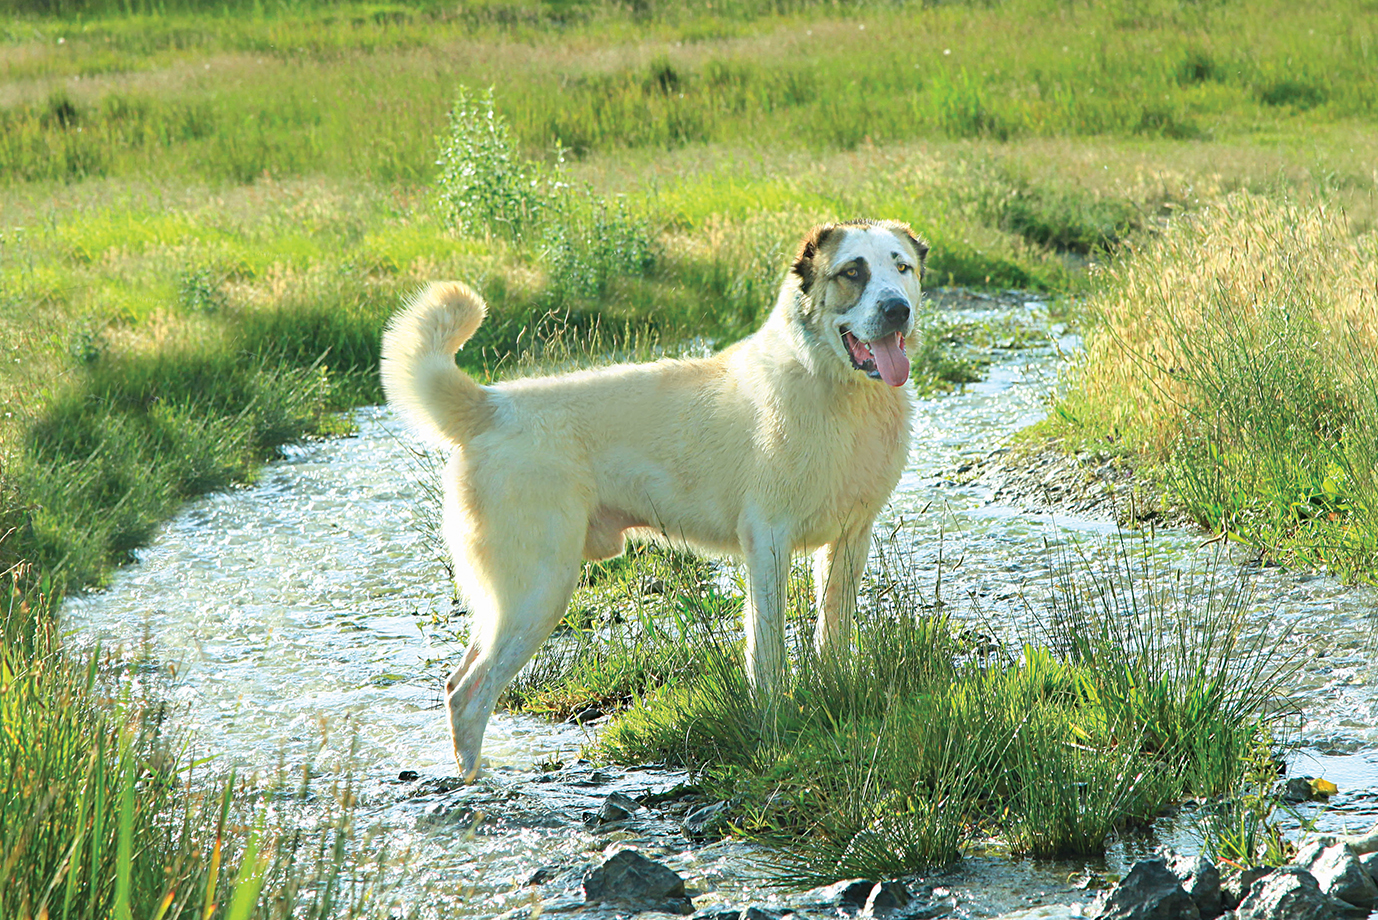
925, 744
107, 813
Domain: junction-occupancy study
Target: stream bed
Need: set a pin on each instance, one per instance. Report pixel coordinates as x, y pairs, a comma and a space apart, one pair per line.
305, 619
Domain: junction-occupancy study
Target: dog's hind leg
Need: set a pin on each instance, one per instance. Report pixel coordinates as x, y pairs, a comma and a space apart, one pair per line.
521, 610
837, 569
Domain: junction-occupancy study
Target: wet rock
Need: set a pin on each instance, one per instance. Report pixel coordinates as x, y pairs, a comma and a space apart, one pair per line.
1365, 844
1149, 892
850, 895
1237, 885
542, 875
1370, 863
865, 897
708, 822
885, 898
408, 776
750, 913
439, 785
1337, 870
628, 879
1289, 893
616, 807
1201, 880
448, 812
1295, 789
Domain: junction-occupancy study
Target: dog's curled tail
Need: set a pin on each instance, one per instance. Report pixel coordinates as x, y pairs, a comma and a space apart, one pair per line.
436, 398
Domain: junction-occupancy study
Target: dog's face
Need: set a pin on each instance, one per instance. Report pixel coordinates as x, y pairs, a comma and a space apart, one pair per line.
860, 281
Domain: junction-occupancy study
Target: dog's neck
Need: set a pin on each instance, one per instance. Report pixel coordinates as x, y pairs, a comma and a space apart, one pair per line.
785, 335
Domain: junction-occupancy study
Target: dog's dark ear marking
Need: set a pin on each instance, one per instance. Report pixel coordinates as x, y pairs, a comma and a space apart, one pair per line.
920, 246
808, 251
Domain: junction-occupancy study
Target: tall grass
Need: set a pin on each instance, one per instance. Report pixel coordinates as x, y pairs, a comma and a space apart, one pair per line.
1143, 688
1237, 353
105, 812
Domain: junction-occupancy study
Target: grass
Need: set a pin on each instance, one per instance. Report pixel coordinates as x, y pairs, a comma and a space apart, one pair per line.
108, 814
927, 743
1235, 354
681, 76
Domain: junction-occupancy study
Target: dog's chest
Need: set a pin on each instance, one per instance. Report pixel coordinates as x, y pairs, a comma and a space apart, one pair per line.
845, 455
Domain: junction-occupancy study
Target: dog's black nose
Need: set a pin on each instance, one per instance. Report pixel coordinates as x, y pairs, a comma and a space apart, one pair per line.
895, 310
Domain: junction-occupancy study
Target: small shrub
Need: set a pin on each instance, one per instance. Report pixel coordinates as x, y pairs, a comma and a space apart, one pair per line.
483, 184
486, 186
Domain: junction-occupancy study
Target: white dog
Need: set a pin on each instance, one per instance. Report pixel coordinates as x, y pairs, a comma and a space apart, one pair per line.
790, 440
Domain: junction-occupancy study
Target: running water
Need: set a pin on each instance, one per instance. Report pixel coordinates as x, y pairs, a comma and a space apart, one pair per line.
305, 617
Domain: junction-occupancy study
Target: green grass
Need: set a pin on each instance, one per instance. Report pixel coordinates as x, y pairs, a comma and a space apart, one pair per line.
107, 813
925, 745
299, 77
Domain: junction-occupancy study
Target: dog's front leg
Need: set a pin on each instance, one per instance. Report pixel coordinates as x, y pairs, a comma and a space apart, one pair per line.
837, 569
767, 552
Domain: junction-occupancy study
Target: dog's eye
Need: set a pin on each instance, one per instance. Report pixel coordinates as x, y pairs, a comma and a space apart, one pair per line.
902, 267
850, 273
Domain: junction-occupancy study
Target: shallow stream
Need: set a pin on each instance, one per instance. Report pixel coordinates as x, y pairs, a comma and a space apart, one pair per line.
304, 616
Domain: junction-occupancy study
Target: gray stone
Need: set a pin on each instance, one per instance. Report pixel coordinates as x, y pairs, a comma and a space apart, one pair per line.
750, 913
1370, 863
1296, 789
852, 894
1338, 872
1364, 844
628, 879
1237, 885
1201, 880
885, 898
1289, 893
616, 807
710, 821
1149, 892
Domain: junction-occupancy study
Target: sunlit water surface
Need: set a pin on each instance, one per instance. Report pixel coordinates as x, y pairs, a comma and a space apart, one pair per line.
305, 619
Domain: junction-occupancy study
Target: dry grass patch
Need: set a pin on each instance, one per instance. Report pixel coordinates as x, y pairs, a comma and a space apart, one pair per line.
1236, 352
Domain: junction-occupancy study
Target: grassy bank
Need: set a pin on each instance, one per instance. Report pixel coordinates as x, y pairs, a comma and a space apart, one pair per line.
1234, 356
107, 814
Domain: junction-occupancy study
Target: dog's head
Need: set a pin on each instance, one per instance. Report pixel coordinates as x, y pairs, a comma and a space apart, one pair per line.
859, 282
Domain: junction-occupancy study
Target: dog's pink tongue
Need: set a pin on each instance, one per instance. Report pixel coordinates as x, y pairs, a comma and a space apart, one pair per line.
891, 360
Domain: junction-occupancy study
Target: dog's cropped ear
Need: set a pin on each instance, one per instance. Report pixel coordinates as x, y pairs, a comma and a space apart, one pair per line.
804, 265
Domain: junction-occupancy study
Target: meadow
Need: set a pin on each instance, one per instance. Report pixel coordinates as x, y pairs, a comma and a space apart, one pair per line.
207, 212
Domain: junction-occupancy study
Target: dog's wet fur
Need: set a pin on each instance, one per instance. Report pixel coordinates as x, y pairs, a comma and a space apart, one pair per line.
790, 440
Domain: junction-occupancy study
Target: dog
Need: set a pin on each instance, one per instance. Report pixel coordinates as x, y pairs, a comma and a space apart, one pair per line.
789, 441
